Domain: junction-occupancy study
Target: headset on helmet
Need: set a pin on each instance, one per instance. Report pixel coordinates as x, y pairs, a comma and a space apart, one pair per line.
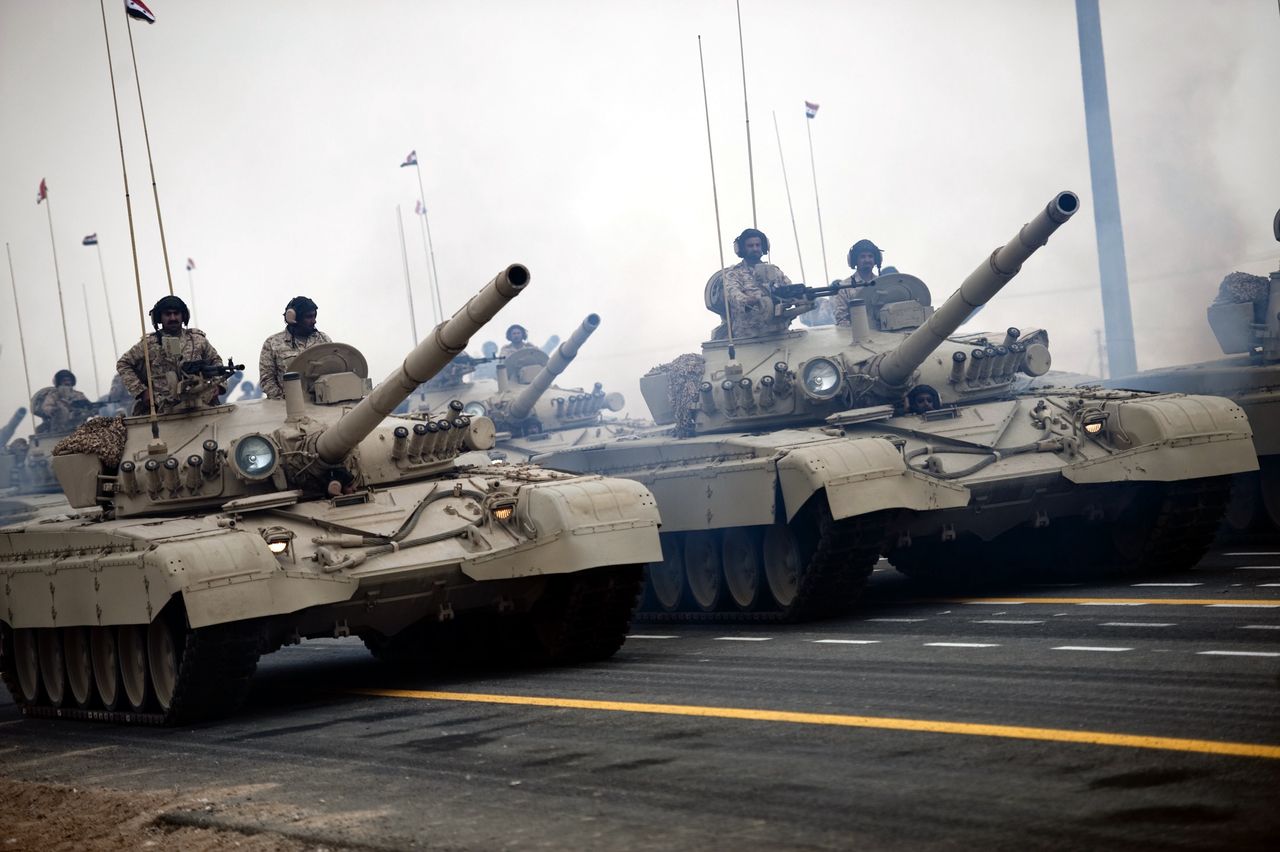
742, 238
512, 328
299, 306
58, 377
864, 245
170, 303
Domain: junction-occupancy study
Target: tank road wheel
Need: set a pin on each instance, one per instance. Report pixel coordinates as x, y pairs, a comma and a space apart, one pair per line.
743, 569
1245, 509
105, 654
1168, 527
666, 578
53, 667
784, 563
164, 657
75, 647
132, 646
26, 662
703, 568
583, 617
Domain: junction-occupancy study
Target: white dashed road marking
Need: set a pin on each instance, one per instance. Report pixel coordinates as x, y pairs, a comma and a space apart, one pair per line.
1260, 627
1088, 648
1258, 568
644, 636
1006, 621
896, 620
1239, 653
1137, 624
743, 638
1170, 585
1248, 605
961, 645
1268, 585
846, 641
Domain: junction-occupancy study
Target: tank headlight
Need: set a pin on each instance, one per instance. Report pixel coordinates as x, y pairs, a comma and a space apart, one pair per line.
475, 409
503, 508
821, 378
254, 457
1093, 421
279, 540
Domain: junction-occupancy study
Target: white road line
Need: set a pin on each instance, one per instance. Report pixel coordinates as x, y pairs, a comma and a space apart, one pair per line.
1110, 603
1248, 605
961, 645
743, 638
896, 620
645, 636
1137, 624
1006, 621
1088, 648
846, 641
1260, 627
1253, 553
1257, 568
1239, 653
1169, 585
995, 603
1267, 585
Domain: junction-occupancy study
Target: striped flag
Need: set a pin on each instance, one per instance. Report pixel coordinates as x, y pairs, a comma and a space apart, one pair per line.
43, 193
411, 160
810, 109
138, 9
91, 240
191, 264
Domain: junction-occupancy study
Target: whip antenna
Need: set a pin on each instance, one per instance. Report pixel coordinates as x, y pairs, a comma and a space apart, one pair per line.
715, 198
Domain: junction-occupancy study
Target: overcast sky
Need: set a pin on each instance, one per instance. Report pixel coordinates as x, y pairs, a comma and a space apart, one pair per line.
570, 136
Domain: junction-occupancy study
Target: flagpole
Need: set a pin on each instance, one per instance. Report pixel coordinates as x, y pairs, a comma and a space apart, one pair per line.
164, 246
437, 307
111, 323
751, 172
133, 237
57, 276
93, 354
22, 341
826, 276
408, 288
715, 199
787, 184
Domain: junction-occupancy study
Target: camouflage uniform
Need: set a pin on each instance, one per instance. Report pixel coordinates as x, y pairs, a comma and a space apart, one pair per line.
841, 299
277, 351
750, 295
515, 347
194, 346
63, 409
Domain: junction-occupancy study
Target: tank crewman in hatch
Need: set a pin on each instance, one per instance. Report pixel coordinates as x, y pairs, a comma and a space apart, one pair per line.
61, 407
864, 258
517, 339
748, 287
300, 333
922, 399
169, 347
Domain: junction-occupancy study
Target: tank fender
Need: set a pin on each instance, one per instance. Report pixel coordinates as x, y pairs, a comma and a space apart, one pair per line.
1164, 439
861, 475
578, 524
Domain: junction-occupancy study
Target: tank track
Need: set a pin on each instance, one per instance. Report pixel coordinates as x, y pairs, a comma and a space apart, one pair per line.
586, 616
845, 553
1185, 525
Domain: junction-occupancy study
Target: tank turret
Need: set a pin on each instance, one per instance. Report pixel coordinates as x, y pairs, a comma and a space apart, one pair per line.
226, 456
523, 404
6, 432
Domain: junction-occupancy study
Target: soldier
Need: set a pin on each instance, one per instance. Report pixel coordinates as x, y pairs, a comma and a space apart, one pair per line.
864, 259
61, 407
748, 287
922, 399
169, 347
300, 333
517, 339
487, 369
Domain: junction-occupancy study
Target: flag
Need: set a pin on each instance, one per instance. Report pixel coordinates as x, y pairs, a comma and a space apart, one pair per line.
138, 9
420, 209
411, 160
810, 109
91, 240
43, 193
191, 264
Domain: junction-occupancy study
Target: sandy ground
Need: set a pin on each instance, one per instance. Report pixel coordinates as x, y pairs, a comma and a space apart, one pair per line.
55, 817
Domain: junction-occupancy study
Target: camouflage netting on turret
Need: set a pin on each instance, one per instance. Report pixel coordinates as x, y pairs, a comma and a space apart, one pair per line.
103, 437
1243, 287
684, 376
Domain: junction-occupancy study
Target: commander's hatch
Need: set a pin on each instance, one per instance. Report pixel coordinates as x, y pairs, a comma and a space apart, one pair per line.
523, 365
332, 372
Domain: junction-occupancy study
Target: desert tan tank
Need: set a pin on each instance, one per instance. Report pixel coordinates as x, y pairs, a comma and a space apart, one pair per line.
794, 462
1245, 318
28, 488
217, 533
532, 415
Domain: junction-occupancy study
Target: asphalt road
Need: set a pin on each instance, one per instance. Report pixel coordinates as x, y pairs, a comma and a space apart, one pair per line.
1104, 715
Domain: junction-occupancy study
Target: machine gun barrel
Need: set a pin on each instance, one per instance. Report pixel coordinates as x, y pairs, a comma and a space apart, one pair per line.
982, 284
555, 365
12, 426
445, 341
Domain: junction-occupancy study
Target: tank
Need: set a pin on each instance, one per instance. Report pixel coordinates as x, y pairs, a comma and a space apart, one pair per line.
793, 462
208, 537
1245, 319
28, 488
532, 414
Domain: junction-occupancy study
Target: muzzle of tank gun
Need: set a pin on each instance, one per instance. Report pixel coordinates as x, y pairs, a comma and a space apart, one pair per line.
897, 366
425, 361
556, 364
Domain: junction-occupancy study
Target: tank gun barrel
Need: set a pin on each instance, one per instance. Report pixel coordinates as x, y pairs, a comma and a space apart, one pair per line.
978, 289
560, 359
12, 426
429, 358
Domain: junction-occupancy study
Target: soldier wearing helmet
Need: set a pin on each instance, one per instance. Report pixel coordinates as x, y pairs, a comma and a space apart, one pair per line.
748, 288
864, 259
170, 346
61, 407
278, 350
517, 339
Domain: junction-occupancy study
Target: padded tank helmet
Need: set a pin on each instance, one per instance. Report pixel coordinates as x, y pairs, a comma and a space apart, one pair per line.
512, 328
864, 245
298, 307
742, 238
170, 303
64, 374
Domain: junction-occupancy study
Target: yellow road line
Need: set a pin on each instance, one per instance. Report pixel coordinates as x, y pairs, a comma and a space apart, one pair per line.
1261, 602
843, 721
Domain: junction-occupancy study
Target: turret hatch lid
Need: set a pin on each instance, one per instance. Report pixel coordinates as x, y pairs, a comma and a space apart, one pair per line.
324, 359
